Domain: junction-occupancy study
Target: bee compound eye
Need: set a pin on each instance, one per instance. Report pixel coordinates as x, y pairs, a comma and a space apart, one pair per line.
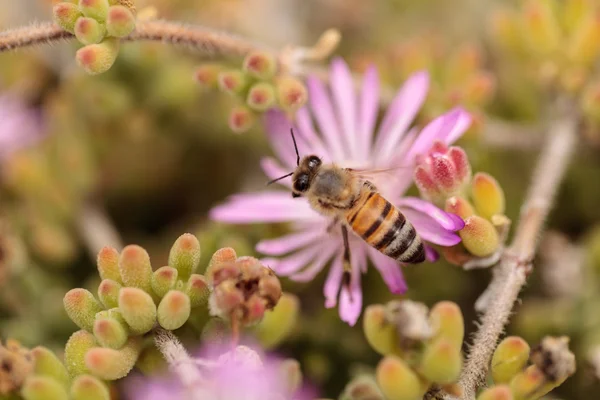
301, 183
314, 162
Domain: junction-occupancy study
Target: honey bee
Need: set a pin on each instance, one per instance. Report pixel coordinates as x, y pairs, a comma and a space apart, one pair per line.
352, 200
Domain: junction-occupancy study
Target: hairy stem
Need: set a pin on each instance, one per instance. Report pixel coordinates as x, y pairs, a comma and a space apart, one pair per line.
201, 39
515, 264
180, 362
97, 230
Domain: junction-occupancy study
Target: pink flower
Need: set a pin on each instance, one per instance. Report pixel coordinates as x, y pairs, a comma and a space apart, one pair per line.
346, 135
20, 126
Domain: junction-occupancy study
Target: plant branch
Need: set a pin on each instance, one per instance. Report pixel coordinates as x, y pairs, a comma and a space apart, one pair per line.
180, 362
510, 275
97, 230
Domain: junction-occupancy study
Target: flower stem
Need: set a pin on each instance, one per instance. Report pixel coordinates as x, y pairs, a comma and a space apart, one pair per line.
516, 263
97, 230
180, 362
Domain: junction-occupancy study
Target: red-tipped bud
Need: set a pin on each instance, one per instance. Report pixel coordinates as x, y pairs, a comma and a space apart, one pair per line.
291, 93
135, 267
77, 346
233, 81
480, 88
98, 58
479, 236
510, 358
488, 196
260, 65
506, 30
97, 9
222, 256
442, 361
197, 289
542, 29
87, 387
241, 119
110, 333
185, 255
110, 364
207, 75
261, 96
499, 392
46, 363
108, 264
81, 306
397, 380
380, 333
174, 310
108, 293
459, 206
163, 280
584, 45
89, 31
138, 309
120, 21
38, 387
447, 321
65, 15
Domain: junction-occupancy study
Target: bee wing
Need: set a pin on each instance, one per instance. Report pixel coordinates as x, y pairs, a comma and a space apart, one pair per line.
371, 173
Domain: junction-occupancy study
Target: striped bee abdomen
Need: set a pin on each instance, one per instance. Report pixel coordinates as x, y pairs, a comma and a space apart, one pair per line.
382, 226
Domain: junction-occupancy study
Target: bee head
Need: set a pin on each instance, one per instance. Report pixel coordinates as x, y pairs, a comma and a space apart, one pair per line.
302, 177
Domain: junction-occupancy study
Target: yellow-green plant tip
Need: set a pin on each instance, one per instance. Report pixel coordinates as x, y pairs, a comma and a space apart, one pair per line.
362, 387
509, 359
583, 47
88, 387
260, 65
447, 321
39, 387
488, 195
291, 93
575, 13
459, 206
163, 280
111, 364
223, 255
499, 392
506, 31
441, 362
381, 335
151, 361
277, 324
207, 75
110, 333
397, 381
65, 15
138, 310
89, 31
47, 363
98, 58
530, 384
261, 96
81, 307
197, 290
135, 267
97, 9
291, 375
174, 310
479, 236
541, 27
185, 255
108, 293
120, 21
233, 81
241, 119
108, 264
76, 348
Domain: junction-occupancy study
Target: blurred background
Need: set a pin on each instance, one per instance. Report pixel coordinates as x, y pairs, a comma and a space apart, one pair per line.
140, 154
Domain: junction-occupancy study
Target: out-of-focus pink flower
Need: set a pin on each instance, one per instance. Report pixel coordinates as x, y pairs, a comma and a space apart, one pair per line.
20, 126
345, 133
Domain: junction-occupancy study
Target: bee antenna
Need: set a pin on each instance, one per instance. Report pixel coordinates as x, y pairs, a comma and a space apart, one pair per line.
295, 147
280, 178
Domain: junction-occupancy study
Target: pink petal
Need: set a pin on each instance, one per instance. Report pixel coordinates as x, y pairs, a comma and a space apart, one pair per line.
278, 127
446, 220
285, 244
351, 299
342, 89
429, 229
390, 271
291, 264
401, 113
333, 282
273, 170
369, 105
322, 109
307, 131
460, 126
312, 270
431, 254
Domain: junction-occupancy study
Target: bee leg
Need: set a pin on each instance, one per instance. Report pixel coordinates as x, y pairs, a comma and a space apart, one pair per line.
332, 225
347, 277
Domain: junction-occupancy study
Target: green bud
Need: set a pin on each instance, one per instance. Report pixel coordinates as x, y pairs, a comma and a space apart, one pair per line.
291, 375
446, 320
380, 334
291, 93
530, 384
135, 267
185, 255
223, 255
241, 119
43, 388
207, 75
479, 236
151, 361
110, 333
75, 349
509, 359
163, 280
89, 31
277, 324
174, 310
110, 364
87, 387
98, 58
260, 65
500, 392
197, 290
138, 310
65, 15
108, 264
97, 9
397, 381
47, 364
362, 388
488, 195
261, 96
108, 293
120, 21
442, 361
81, 306
233, 81
459, 206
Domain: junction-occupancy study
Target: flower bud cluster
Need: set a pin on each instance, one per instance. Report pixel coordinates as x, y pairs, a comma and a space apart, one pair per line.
258, 86
443, 176
421, 348
521, 373
132, 300
98, 25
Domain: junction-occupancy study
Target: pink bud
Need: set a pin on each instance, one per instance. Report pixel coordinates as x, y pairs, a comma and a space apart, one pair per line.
460, 160
65, 15
98, 58
120, 21
241, 119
